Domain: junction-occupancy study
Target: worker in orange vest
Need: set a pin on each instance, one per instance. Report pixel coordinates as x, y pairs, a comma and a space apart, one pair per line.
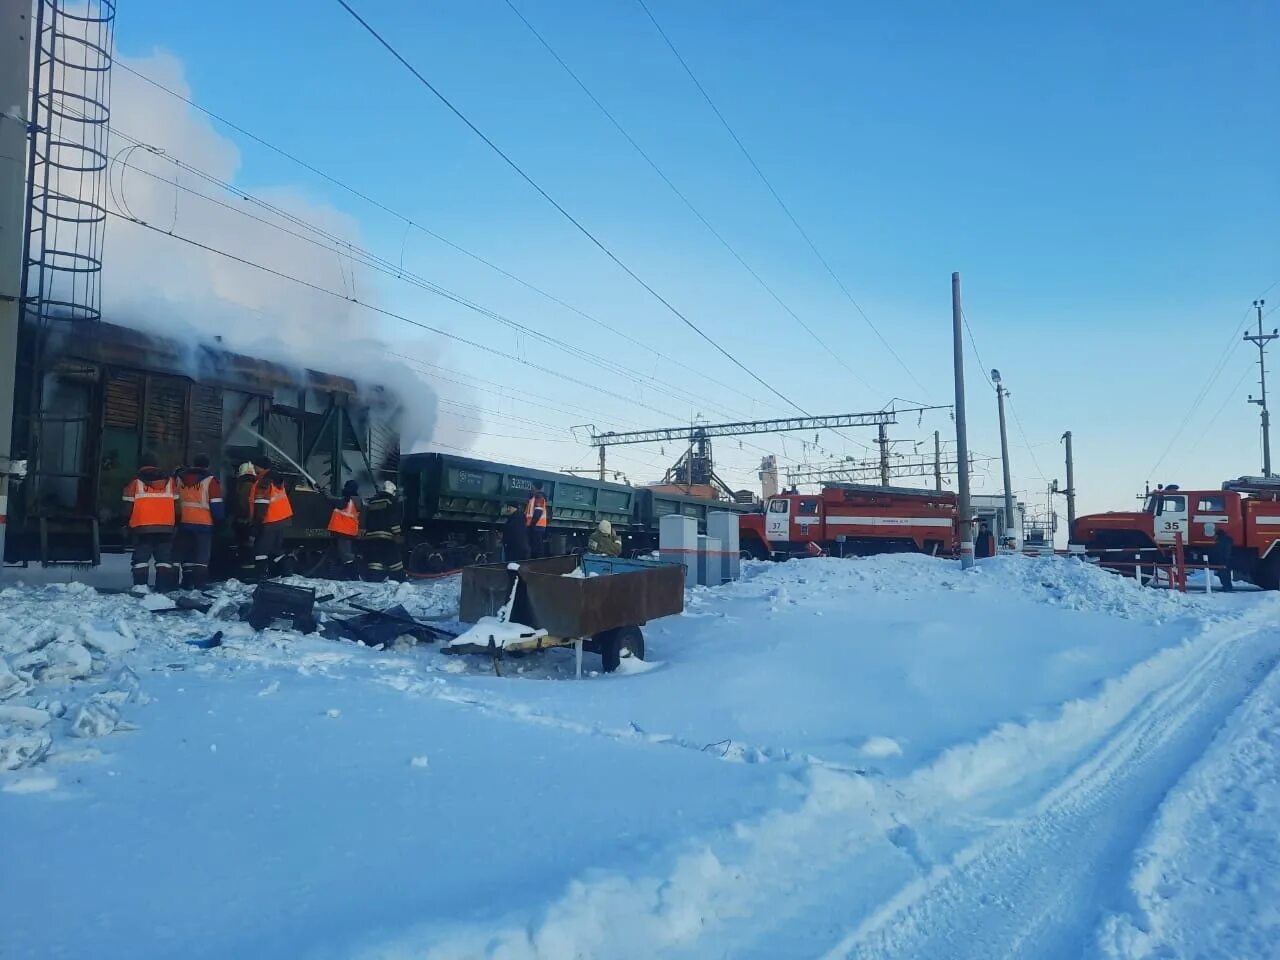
344, 526
535, 515
153, 508
271, 514
199, 509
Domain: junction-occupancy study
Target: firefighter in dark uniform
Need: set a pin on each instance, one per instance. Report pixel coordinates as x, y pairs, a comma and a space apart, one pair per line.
152, 496
382, 537
246, 480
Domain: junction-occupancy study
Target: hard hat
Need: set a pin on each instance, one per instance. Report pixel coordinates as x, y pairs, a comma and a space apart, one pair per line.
389, 488
606, 527
245, 469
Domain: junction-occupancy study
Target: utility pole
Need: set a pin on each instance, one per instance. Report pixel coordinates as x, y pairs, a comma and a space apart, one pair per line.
882, 441
1070, 492
962, 431
602, 449
15, 37
1001, 393
1260, 340
937, 460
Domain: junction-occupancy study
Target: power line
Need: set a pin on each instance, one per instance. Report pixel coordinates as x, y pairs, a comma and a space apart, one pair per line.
563, 212
409, 221
1018, 421
367, 258
681, 195
376, 309
1216, 372
781, 203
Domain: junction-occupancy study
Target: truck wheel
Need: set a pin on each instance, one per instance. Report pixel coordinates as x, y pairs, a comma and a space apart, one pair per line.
615, 644
1266, 572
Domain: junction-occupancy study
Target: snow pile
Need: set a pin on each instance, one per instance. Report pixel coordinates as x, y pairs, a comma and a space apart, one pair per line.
62, 674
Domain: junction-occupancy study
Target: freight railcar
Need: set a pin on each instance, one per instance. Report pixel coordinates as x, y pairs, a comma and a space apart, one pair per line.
453, 509
106, 393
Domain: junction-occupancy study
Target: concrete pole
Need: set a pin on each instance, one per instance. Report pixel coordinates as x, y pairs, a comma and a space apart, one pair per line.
937, 460
882, 439
602, 464
15, 62
1071, 485
1261, 341
962, 430
1009, 529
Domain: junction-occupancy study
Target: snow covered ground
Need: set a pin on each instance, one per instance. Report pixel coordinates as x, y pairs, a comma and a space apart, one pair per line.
874, 758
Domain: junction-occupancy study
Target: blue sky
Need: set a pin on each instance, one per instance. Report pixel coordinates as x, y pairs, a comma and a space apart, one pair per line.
1104, 176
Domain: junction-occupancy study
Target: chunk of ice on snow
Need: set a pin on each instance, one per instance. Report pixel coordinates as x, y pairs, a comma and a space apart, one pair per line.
96, 718
24, 716
333, 713
67, 660
880, 747
106, 640
23, 749
157, 601
419, 762
10, 684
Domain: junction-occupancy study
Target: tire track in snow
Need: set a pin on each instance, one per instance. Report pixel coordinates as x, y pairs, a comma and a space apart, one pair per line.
1039, 885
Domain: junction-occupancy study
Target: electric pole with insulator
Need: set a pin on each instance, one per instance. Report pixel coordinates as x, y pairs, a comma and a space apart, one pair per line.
1260, 340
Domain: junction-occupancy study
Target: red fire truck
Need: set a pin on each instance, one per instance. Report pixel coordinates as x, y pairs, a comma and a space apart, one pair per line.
1248, 510
849, 519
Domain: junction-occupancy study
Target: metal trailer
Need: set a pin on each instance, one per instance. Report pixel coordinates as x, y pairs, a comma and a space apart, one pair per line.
453, 508
109, 393
601, 614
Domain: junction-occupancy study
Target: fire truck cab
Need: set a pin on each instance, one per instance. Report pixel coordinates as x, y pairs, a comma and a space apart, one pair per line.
847, 519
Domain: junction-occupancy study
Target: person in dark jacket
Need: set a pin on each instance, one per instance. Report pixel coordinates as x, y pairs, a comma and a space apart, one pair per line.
199, 511
515, 536
1220, 556
382, 537
985, 546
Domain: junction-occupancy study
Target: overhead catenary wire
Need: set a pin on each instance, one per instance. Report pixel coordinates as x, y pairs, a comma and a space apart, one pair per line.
662, 175
577, 224
776, 196
414, 224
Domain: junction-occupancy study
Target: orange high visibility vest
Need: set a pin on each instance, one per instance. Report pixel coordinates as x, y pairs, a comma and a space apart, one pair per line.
278, 507
345, 520
154, 503
197, 500
536, 502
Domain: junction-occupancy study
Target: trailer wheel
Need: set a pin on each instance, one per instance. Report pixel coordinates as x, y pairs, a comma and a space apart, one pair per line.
615, 644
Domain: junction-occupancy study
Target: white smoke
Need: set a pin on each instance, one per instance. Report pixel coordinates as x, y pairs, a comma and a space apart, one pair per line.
165, 286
